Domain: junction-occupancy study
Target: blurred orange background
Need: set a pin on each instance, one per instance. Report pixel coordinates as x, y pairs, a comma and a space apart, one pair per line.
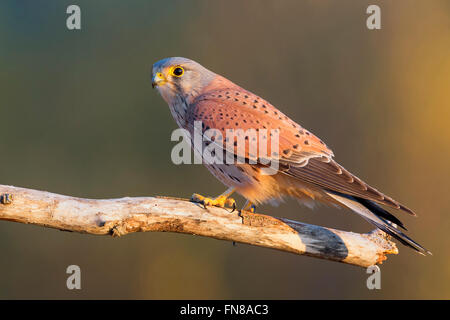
78, 116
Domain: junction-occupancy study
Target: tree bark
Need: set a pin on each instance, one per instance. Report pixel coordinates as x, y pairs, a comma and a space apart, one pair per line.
119, 217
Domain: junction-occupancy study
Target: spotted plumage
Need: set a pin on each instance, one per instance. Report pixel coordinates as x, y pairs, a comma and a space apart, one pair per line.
306, 168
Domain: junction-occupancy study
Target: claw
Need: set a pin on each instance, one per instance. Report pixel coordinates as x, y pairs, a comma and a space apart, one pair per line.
234, 207
198, 199
230, 202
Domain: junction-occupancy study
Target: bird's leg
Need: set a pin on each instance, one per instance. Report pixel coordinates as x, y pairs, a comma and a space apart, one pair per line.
249, 206
220, 201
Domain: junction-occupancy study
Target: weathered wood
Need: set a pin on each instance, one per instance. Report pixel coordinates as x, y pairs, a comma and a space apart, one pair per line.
119, 217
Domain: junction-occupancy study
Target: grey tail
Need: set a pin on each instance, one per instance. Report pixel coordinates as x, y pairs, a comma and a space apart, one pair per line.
379, 217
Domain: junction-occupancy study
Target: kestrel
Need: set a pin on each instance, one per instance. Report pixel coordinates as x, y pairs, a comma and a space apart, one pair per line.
306, 171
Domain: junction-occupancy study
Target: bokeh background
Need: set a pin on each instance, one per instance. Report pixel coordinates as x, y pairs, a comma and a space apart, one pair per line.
78, 116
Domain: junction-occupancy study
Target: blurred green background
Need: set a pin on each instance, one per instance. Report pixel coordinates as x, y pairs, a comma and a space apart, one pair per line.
78, 116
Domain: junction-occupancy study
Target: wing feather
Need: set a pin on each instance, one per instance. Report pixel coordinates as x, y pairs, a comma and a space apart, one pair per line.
303, 155
236, 108
328, 174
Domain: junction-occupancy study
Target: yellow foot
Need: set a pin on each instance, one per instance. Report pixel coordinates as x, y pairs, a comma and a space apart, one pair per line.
221, 201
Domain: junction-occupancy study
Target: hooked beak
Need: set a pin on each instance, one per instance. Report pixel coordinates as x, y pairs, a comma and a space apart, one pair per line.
158, 79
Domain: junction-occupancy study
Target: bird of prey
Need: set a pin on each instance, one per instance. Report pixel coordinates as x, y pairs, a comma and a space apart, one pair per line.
306, 168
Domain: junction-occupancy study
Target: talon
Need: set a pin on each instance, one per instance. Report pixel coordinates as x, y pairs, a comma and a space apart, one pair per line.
232, 203
196, 198
199, 199
240, 215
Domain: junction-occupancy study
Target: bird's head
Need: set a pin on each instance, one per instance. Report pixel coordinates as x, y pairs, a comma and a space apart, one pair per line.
178, 77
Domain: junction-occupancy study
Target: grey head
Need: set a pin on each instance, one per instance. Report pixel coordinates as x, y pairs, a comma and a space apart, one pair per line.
180, 78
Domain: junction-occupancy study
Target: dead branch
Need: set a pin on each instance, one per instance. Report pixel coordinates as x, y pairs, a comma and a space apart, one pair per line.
118, 217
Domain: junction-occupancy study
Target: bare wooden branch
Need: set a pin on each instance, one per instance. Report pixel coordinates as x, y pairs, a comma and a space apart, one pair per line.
118, 217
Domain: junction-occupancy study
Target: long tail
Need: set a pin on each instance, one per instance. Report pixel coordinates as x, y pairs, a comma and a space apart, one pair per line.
379, 217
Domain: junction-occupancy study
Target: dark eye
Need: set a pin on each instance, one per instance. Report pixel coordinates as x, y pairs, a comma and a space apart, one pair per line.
178, 71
